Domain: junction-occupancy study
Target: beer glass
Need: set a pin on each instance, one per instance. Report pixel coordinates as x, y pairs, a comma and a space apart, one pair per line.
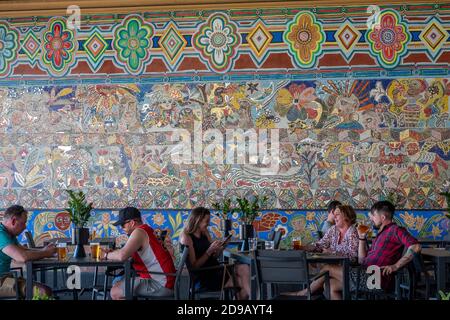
363, 228
61, 250
297, 243
95, 250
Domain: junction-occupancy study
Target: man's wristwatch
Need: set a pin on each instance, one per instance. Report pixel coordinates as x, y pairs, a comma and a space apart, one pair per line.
362, 239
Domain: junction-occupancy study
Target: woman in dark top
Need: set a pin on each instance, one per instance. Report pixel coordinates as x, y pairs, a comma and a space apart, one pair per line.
203, 252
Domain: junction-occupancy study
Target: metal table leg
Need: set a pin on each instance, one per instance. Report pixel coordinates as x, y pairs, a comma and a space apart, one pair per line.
127, 280
29, 283
346, 280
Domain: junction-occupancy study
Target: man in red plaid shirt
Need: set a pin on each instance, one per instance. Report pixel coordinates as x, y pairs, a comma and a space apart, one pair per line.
388, 246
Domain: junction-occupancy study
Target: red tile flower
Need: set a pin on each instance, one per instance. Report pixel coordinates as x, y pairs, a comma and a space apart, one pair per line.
388, 39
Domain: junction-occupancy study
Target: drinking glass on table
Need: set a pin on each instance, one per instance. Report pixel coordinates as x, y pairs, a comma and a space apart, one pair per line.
95, 250
297, 243
252, 244
61, 250
269, 245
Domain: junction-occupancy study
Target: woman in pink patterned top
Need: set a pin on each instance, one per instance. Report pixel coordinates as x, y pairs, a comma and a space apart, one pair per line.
342, 239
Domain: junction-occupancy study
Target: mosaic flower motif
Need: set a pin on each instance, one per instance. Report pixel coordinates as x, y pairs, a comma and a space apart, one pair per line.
132, 43
297, 103
217, 41
310, 216
420, 221
59, 46
388, 39
304, 36
8, 47
436, 231
158, 219
408, 219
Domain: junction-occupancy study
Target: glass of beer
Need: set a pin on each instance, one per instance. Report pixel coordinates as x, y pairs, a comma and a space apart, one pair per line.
297, 243
61, 250
95, 250
363, 228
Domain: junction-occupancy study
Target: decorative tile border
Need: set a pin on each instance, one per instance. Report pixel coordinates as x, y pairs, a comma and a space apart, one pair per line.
294, 43
45, 224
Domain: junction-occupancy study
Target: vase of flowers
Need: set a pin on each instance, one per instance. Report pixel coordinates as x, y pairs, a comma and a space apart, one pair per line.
80, 212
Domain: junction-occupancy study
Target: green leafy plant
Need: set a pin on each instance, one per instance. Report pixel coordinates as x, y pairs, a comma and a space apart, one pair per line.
444, 296
224, 208
447, 197
250, 210
38, 296
79, 209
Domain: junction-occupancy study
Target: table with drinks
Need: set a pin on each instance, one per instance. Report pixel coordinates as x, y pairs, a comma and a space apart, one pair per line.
245, 257
65, 259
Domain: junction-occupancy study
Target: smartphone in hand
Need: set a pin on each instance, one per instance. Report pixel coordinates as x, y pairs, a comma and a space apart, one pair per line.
226, 240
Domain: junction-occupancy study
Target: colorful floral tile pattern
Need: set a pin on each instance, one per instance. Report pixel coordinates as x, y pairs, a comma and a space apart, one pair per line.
59, 47
388, 38
47, 224
132, 40
9, 47
217, 41
305, 37
213, 45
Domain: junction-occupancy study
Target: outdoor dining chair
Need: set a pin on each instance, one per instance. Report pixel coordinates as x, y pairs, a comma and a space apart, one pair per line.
404, 284
13, 279
275, 267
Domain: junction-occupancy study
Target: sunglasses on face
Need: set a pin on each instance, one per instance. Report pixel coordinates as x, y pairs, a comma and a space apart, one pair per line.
123, 224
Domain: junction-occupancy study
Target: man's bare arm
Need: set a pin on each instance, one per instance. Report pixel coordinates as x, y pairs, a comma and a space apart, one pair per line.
22, 255
362, 250
408, 256
403, 261
133, 244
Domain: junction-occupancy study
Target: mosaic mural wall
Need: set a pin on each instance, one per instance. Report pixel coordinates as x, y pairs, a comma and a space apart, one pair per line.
46, 224
360, 98
354, 140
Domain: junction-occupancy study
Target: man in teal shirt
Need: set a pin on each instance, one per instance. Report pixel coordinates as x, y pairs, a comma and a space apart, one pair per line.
14, 223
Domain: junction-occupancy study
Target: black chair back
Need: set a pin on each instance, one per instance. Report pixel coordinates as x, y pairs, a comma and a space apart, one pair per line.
180, 268
30, 240
281, 267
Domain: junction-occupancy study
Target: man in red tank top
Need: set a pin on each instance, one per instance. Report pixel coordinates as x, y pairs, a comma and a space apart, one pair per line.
148, 256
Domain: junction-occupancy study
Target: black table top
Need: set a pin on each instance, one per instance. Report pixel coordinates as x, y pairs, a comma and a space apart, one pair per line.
437, 253
87, 261
69, 240
313, 257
